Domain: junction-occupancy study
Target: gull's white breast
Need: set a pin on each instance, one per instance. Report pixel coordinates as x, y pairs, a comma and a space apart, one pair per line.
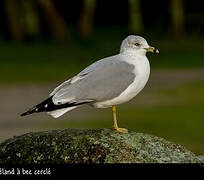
142, 72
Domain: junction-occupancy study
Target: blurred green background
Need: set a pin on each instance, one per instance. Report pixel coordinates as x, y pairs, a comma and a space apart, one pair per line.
45, 42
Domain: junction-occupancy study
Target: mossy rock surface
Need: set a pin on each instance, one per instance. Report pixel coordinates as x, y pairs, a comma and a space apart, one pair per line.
92, 146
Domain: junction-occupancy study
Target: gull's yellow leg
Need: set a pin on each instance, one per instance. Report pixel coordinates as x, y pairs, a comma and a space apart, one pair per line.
115, 126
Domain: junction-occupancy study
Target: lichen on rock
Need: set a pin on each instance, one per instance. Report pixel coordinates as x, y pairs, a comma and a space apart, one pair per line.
92, 146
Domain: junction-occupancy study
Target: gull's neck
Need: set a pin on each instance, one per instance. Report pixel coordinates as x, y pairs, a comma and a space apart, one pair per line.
133, 53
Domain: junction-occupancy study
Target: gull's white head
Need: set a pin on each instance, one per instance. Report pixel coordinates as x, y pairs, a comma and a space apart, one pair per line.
136, 45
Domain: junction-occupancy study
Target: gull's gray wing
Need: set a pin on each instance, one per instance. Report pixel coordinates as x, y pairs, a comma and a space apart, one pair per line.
103, 80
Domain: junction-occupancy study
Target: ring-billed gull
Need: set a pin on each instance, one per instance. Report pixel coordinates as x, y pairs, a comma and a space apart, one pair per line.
105, 83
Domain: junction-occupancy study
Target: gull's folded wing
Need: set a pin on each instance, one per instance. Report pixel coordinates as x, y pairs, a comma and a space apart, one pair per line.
103, 80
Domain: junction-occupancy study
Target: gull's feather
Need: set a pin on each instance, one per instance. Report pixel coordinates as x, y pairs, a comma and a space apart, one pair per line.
103, 80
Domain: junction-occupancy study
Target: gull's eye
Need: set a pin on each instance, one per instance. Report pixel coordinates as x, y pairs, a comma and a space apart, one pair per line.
137, 44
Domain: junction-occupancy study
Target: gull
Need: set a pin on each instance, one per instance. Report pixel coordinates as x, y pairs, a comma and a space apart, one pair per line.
105, 83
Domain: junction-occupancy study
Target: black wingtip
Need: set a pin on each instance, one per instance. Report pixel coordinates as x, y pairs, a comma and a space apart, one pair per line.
26, 113
30, 111
43, 106
48, 105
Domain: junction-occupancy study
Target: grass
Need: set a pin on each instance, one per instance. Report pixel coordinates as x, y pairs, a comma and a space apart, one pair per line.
42, 61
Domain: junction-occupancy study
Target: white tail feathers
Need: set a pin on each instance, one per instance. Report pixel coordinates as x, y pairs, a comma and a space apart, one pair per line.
59, 112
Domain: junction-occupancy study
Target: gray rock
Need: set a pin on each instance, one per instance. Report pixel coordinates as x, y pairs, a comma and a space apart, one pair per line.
92, 146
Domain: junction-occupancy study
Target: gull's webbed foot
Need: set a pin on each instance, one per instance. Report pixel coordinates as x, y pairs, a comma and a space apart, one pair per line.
121, 130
